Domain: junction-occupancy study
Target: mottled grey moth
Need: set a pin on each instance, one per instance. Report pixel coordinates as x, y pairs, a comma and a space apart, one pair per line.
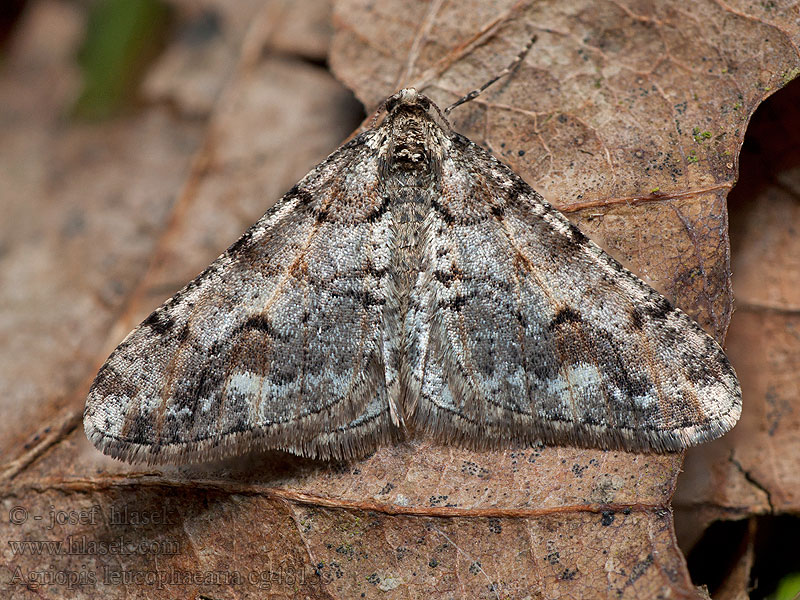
410, 283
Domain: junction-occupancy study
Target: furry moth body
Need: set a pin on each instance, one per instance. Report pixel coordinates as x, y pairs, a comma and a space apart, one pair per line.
410, 282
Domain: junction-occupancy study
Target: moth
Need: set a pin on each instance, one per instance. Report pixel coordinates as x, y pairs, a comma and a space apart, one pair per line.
410, 284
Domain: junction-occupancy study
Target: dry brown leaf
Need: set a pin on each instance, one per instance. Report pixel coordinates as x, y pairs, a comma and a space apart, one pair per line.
754, 470
607, 118
765, 334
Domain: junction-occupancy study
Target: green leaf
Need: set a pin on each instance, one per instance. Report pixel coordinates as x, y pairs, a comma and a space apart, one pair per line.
122, 37
788, 588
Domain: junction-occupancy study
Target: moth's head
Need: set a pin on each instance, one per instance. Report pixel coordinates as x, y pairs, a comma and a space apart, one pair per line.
407, 98
409, 107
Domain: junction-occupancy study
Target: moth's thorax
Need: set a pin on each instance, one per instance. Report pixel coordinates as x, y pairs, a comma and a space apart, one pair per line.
412, 146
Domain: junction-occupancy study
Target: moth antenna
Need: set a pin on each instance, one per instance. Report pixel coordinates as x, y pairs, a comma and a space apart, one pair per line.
378, 111
513, 65
442, 115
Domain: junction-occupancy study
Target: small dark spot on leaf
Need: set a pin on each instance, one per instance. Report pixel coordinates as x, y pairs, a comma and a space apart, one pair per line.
495, 526
568, 574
